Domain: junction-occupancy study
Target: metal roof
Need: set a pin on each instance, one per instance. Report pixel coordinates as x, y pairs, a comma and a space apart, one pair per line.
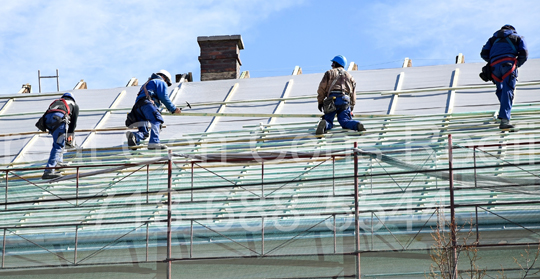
307, 189
16, 118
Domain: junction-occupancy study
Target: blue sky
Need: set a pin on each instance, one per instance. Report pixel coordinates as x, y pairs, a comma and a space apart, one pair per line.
108, 42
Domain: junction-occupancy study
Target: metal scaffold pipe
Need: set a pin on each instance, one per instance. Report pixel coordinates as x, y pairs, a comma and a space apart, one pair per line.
356, 215
453, 227
169, 216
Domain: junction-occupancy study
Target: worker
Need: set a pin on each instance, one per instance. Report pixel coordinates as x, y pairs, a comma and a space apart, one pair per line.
61, 114
337, 95
151, 95
505, 51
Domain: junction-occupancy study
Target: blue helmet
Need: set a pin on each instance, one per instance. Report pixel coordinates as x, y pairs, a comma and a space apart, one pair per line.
341, 60
508, 26
68, 95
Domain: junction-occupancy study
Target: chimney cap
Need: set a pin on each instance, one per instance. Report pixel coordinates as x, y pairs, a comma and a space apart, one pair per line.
222, 38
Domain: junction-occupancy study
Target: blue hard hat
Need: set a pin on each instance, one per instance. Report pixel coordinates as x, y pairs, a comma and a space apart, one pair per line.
341, 60
508, 26
68, 95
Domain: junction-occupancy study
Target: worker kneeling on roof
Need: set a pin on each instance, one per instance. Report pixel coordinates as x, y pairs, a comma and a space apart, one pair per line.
151, 95
337, 95
61, 114
505, 51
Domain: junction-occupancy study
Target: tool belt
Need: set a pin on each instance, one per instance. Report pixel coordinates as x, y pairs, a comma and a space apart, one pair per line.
485, 74
131, 117
42, 125
329, 103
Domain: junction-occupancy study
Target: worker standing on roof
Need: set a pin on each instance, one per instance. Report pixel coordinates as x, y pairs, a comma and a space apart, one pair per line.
61, 113
505, 51
146, 108
337, 95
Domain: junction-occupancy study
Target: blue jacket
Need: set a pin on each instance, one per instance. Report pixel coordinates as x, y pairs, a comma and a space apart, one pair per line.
499, 46
157, 89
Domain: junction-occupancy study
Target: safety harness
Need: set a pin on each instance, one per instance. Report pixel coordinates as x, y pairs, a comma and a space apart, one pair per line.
148, 97
514, 62
339, 76
513, 59
142, 101
329, 105
136, 109
59, 105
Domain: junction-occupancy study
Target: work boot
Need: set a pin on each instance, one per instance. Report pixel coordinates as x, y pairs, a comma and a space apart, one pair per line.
50, 175
131, 140
156, 146
321, 128
505, 124
360, 127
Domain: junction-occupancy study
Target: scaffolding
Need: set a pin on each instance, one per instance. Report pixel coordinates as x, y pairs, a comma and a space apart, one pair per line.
201, 208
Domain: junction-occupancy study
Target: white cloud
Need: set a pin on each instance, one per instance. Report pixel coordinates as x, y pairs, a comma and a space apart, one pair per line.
434, 29
108, 42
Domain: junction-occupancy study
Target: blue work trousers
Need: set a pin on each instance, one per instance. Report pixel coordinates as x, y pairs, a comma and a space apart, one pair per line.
149, 112
505, 89
57, 128
343, 113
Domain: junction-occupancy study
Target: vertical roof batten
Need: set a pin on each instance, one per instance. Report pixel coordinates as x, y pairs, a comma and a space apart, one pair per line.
297, 71
452, 93
132, 82
279, 106
395, 97
215, 119
81, 85
6, 105
407, 63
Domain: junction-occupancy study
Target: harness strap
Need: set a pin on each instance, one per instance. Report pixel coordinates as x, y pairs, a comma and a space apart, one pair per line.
334, 82
146, 91
141, 102
68, 112
512, 45
513, 59
509, 42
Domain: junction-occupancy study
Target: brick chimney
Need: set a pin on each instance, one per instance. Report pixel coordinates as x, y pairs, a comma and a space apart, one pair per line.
220, 56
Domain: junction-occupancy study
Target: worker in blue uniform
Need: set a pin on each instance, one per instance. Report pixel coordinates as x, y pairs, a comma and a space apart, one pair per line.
337, 96
146, 109
61, 114
505, 52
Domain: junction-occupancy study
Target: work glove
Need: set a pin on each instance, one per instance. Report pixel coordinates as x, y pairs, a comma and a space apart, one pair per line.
70, 141
320, 107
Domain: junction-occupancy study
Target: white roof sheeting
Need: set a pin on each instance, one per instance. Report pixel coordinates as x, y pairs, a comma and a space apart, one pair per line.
299, 190
94, 102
